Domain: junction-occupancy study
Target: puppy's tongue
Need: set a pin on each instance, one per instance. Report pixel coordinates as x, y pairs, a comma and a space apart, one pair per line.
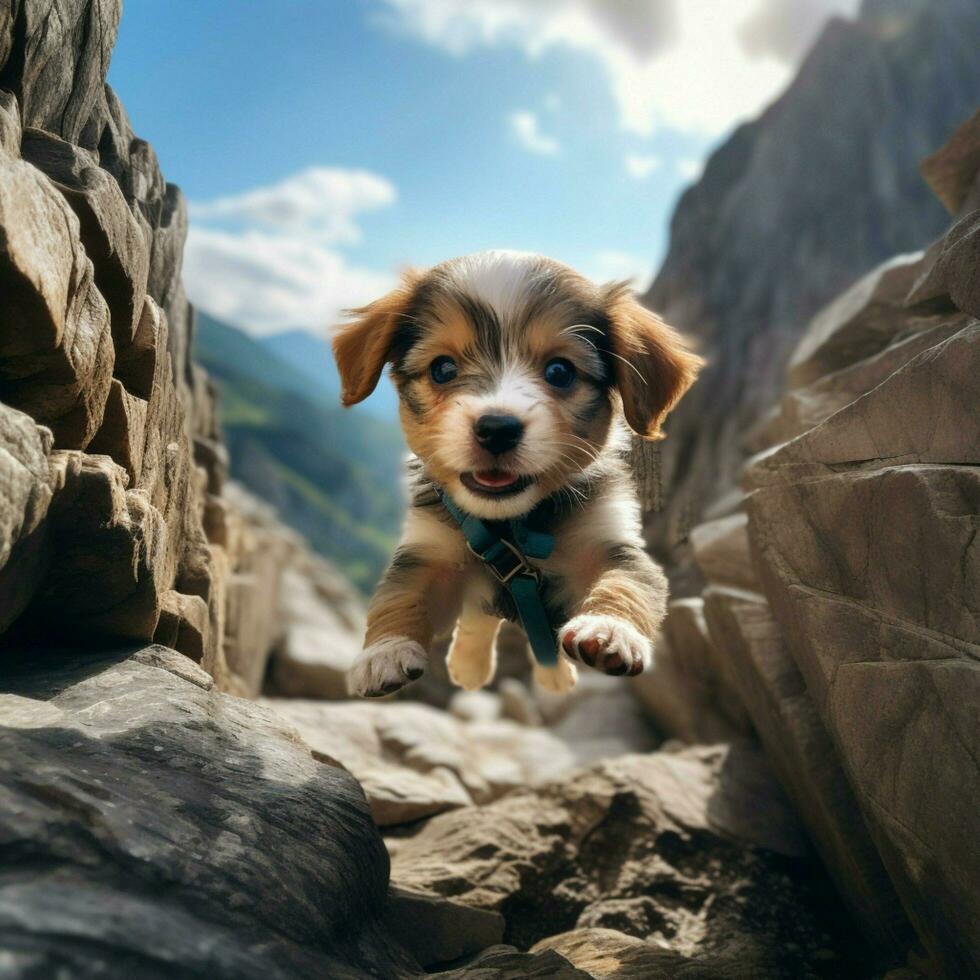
495, 478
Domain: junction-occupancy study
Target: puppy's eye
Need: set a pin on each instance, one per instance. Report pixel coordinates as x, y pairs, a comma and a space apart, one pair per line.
443, 369
559, 373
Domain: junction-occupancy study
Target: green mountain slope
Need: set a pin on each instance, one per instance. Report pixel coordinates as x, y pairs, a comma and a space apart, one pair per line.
332, 474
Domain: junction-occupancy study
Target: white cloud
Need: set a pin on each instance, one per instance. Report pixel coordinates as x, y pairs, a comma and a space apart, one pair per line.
610, 264
525, 126
693, 65
641, 165
321, 203
270, 259
690, 168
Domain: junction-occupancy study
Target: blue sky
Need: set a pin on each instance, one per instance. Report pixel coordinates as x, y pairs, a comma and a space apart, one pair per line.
323, 144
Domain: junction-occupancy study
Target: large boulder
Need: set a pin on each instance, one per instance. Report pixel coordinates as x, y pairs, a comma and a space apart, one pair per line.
159, 829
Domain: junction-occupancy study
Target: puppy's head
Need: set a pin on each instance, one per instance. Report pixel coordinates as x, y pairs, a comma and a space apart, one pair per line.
510, 368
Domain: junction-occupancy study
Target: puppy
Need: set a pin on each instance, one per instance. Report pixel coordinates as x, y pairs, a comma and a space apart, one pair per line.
515, 376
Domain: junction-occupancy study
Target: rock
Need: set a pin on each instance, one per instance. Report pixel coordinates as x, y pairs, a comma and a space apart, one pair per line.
414, 760
954, 275
508, 963
475, 705
25, 493
354, 736
57, 61
805, 408
318, 644
132, 787
114, 240
184, 625
690, 693
603, 953
874, 578
804, 759
603, 719
122, 434
952, 170
10, 128
689, 851
721, 550
518, 703
437, 930
923, 413
136, 364
856, 324
106, 581
56, 353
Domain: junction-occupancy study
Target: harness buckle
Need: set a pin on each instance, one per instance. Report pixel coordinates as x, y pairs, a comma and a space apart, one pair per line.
504, 574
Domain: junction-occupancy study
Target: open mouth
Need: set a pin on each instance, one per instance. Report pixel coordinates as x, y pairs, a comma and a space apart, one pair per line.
495, 483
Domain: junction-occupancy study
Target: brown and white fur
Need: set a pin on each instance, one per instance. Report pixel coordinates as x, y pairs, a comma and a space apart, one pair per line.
502, 317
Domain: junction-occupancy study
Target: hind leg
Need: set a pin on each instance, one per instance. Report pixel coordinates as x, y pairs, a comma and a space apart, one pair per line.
559, 679
472, 657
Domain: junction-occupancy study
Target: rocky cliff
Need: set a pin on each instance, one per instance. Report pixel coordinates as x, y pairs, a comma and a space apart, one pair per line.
840, 618
792, 209
115, 523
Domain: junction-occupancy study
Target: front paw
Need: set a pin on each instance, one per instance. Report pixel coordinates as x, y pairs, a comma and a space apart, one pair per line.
606, 643
386, 666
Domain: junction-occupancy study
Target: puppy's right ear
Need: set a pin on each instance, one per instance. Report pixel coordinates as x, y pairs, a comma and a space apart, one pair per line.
362, 346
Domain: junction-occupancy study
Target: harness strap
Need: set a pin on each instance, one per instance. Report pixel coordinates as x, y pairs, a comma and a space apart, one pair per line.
508, 564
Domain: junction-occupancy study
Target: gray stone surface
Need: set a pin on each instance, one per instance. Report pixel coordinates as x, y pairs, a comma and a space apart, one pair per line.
156, 828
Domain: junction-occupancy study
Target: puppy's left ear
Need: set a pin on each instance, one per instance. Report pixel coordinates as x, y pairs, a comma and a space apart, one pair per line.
653, 366
362, 346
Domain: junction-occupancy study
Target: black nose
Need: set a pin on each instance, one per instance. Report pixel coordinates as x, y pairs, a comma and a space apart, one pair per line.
498, 433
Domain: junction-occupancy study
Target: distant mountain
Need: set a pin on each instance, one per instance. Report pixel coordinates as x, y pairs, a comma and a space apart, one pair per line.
311, 357
793, 208
333, 474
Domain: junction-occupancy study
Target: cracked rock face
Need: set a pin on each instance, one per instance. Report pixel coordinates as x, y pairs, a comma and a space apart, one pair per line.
864, 530
852, 641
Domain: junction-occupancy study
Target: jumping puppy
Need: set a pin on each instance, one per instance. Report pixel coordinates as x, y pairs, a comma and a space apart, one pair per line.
514, 374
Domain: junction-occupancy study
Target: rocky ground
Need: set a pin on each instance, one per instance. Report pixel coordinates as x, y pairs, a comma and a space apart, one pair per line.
186, 791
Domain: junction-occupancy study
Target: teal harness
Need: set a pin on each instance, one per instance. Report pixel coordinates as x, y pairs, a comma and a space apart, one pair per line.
508, 564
